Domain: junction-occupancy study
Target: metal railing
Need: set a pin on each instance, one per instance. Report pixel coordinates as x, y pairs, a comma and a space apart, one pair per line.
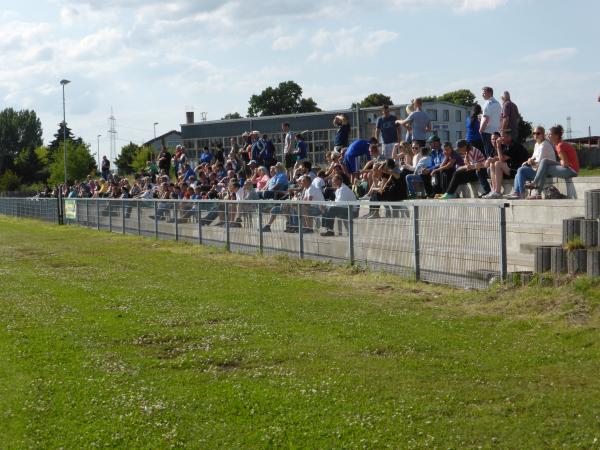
459, 244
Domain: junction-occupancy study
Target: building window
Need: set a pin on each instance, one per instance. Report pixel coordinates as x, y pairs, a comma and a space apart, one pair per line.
458, 115
432, 114
446, 115
459, 134
446, 136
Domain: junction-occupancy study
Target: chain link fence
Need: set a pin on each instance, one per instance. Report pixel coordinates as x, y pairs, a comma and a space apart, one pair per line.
458, 244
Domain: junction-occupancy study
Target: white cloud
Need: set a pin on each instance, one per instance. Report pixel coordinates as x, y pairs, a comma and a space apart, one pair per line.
348, 42
460, 6
550, 55
286, 42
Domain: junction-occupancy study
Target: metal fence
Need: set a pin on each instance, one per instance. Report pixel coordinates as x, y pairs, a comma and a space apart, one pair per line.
459, 244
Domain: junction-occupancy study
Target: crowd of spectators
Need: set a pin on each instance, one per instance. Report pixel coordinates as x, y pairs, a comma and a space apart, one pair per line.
383, 168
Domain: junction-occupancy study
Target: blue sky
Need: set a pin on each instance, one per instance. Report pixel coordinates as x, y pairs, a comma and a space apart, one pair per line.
151, 60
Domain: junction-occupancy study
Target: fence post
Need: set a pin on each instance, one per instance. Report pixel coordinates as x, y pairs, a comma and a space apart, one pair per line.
503, 259
87, 212
176, 221
123, 215
199, 223
59, 216
109, 216
416, 248
227, 236
351, 234
300, 233
260, 230
98, 214
155, 219
139, 218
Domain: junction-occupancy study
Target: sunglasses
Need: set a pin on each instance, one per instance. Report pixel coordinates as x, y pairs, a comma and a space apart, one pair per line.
538, 133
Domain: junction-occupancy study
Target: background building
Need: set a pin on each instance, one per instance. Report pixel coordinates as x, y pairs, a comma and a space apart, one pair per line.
170, 139
448, 122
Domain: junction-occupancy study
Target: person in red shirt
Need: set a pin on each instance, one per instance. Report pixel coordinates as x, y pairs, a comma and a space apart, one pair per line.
566, 167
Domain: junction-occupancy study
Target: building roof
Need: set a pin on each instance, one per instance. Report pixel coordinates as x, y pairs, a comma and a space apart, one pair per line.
329, 112
161, 137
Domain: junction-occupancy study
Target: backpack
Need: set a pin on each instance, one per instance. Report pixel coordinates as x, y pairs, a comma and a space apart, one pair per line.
552, 193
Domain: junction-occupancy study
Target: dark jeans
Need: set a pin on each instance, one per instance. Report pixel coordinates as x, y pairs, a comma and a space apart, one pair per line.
340, 212
468, 176
488, 148
442, 181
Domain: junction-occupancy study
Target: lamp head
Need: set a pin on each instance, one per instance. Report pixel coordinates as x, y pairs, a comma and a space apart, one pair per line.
63, 82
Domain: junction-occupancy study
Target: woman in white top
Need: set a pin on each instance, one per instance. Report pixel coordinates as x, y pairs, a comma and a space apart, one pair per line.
543, 149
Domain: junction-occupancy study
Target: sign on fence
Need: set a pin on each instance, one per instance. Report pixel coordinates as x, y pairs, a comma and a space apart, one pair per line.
70, 209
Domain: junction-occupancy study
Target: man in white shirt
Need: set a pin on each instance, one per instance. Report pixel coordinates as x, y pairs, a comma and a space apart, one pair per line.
343, 194
310, 193
490, 121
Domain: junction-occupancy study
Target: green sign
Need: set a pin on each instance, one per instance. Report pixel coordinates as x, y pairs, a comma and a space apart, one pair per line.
70, 209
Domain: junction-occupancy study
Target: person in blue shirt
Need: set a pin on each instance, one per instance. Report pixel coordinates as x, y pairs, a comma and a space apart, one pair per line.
342, 134
278, 184
188, 172
358, 148
386, 126
206, 156
436, 157
473, 136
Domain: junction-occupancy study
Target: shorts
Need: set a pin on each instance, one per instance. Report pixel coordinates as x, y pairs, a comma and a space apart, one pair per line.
351, 163
289, 160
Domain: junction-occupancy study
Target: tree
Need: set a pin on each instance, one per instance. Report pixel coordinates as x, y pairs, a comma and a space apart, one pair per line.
18, 130
28, 166
525, 130
140, 161
462, 97
56, 144
235, 115
80, 163
124, 160
283, 99
374, 100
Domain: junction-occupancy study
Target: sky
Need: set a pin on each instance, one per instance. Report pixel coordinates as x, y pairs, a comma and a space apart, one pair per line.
150, 61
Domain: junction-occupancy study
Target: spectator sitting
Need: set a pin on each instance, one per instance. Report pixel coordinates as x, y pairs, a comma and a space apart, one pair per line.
567, 167
310, 193
343, 194
423, 164
510, 156
473, 168
206, 156
277, 185
542, 150
261, 178
445, 171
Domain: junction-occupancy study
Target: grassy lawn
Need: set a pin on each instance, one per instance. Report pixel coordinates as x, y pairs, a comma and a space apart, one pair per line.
589, 172
117, 341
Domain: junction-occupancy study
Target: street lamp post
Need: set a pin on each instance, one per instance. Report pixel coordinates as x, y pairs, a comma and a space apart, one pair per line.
155, 123
63, 83
98, 151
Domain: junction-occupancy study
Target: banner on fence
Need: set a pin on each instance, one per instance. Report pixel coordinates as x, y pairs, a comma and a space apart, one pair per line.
70, 209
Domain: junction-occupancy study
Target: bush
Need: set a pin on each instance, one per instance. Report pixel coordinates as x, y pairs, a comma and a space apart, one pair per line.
9, 181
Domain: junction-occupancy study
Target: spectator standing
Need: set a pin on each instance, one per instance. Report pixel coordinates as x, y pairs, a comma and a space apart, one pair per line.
490, 121
473, 136
342, 135
418, 122
510, 116
164, 160
386, 127
358, 148
288, 148
105, 167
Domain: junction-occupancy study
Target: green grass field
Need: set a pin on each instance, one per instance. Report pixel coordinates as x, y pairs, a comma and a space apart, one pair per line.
115, 341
